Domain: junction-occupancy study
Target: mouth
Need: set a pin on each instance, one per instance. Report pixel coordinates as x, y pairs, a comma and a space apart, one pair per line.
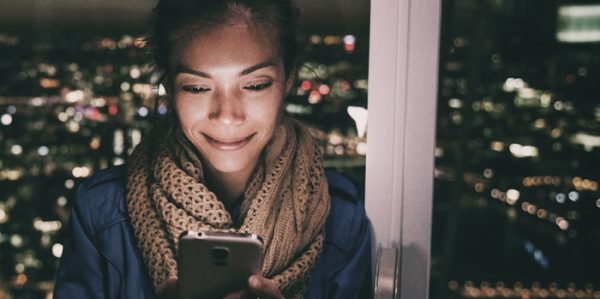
229, 144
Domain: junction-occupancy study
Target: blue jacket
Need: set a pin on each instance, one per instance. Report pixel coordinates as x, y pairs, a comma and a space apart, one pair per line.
101, 259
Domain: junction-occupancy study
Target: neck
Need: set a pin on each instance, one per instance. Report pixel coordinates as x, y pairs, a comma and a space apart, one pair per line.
229, 187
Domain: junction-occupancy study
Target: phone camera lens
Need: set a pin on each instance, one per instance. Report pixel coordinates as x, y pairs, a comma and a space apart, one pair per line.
220, 253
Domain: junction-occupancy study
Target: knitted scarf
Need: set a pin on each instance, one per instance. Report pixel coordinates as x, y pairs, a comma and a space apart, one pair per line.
286, 202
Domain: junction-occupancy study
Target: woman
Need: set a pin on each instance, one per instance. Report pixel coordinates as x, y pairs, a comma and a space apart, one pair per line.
225, 159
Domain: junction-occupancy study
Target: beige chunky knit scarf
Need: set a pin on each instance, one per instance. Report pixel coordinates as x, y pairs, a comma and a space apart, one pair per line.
286, 202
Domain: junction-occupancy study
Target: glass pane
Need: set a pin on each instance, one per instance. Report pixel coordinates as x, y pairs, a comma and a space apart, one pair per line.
78, 92
516, 199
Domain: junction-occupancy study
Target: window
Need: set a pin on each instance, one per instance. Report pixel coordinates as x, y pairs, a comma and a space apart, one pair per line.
516, 199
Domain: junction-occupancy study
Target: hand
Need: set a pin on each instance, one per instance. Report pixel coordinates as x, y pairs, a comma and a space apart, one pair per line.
171, 290
258, 287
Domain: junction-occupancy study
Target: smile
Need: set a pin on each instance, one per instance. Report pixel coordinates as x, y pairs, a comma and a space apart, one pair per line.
229, 145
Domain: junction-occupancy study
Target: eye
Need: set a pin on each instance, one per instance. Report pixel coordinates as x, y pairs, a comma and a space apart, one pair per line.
195, 89
258, 87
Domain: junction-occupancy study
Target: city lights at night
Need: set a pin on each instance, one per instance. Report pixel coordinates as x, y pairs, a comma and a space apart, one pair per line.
71, 107
516, 191
516, 196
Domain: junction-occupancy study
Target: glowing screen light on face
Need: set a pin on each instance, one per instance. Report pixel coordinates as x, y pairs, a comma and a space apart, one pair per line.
578, 24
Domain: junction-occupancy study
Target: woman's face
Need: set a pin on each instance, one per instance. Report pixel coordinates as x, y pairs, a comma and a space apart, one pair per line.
228, 87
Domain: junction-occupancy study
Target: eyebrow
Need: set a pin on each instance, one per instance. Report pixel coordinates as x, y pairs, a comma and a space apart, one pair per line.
184, 69
256, 67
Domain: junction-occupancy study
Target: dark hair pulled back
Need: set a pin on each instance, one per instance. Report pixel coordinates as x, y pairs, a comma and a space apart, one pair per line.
177, 20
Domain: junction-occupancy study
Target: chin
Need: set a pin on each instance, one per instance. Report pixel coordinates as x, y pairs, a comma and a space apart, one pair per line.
230, 164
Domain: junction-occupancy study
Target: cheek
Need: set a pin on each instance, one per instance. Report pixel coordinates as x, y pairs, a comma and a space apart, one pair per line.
268, 114
188, 113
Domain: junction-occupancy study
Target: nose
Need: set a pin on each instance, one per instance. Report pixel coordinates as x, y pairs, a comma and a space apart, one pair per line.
228, 108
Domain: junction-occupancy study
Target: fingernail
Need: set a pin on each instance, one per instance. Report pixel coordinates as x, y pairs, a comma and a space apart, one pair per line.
254, 282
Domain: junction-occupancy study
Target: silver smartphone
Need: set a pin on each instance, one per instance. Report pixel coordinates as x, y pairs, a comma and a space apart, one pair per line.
214, 264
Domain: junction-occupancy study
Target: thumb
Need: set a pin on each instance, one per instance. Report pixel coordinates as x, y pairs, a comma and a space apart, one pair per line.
170, 291
263, 288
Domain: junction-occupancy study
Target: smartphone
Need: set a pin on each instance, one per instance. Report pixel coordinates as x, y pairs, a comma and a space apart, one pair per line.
214, 264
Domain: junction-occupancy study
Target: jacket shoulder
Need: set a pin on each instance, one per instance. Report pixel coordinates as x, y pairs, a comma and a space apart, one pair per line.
347, 217
340, 185
109, 175
100, 199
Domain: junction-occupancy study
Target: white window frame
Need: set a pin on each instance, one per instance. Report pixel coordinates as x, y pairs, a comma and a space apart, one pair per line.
403, 75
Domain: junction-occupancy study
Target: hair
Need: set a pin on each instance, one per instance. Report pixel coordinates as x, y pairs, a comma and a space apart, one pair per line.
176, 20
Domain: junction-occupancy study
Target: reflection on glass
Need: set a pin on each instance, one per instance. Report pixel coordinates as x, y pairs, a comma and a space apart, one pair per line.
516, 211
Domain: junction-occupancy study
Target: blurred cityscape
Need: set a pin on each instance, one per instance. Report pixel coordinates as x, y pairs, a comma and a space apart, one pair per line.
69, 107
516, 198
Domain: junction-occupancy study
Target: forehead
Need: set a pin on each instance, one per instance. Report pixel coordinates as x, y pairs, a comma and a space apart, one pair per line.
236, 44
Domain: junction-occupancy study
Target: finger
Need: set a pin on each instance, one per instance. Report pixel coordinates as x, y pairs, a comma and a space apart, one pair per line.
263, 288
237, 295
171, 290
